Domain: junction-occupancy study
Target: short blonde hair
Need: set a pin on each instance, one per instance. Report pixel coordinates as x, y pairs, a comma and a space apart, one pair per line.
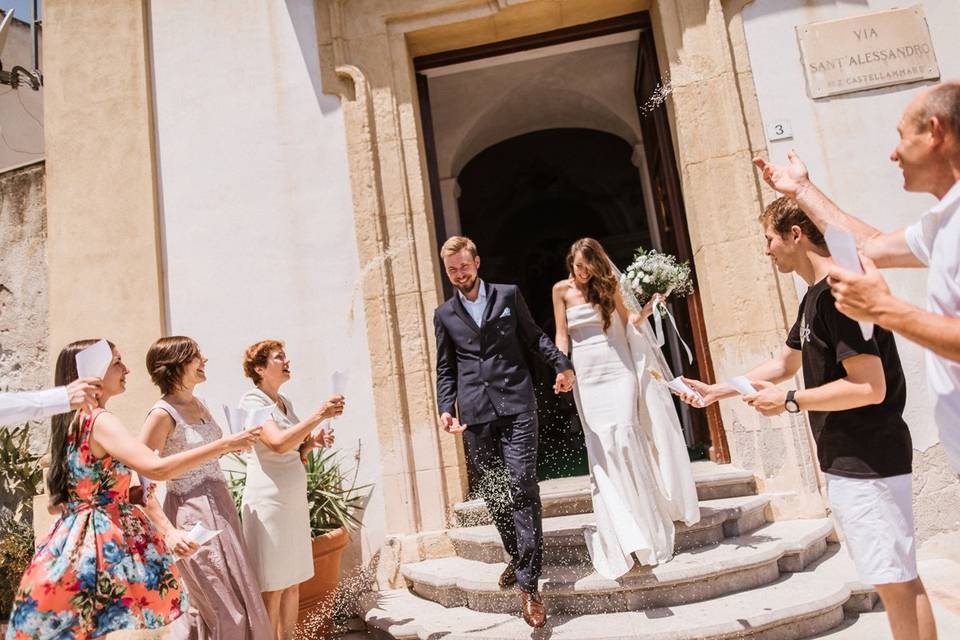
456, 244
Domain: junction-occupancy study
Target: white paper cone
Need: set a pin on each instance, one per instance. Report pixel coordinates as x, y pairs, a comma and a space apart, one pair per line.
742, 385
338, 383
93, 361
201, 535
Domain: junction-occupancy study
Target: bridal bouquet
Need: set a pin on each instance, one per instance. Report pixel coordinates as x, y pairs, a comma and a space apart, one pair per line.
654, 272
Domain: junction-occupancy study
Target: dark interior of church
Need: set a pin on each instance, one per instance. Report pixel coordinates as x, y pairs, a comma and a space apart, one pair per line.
524, 201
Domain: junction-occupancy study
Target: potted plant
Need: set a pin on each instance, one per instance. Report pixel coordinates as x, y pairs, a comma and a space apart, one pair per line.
335, 500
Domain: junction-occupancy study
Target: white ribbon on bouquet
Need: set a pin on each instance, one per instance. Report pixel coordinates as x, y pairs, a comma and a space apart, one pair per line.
659, 310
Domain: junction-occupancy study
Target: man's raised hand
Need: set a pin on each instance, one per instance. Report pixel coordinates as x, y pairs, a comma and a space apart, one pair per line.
788, 180
83, 392
451, 425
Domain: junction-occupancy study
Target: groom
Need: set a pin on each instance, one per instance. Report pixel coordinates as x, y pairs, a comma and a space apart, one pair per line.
482, 332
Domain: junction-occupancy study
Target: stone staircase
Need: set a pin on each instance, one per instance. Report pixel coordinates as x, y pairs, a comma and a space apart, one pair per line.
736, 574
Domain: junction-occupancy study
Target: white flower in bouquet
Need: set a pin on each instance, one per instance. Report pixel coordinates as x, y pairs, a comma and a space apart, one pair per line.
654, 272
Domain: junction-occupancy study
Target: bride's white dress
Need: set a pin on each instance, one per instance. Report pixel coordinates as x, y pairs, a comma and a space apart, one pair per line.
640, 473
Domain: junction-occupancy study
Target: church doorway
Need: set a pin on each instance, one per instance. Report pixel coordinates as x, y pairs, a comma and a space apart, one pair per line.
524, 201
535, 144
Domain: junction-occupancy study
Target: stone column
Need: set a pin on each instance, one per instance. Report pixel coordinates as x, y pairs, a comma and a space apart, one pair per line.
747, 307
395, 235
103, 246
450, 196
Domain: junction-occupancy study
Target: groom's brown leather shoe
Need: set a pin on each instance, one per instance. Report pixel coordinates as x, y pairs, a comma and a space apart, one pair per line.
509, 576
531, 604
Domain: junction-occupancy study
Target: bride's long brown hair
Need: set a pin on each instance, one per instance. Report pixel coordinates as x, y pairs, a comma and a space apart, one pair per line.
603, 283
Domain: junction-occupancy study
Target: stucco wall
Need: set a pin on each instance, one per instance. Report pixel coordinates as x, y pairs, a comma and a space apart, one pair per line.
256, 213
23, 287
846, 141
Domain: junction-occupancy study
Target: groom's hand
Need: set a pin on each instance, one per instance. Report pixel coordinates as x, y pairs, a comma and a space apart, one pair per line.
564, 382
451, 424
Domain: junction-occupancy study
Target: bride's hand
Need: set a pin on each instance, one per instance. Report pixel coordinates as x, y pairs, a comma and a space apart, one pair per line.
648, 308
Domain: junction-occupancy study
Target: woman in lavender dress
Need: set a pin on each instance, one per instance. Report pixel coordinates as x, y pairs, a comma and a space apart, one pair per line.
224, 596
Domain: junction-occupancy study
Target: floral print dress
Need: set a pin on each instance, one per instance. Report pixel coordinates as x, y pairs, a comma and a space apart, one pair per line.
103, 567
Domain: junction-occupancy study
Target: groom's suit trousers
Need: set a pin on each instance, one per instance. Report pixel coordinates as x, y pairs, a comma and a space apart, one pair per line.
504, 458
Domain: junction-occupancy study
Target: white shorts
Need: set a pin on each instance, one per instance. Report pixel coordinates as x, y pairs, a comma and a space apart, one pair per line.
876, 518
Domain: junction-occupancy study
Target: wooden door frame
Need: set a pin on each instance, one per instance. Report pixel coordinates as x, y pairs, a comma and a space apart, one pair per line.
664, 142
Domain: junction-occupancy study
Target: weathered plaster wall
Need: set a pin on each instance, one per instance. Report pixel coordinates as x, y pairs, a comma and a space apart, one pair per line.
846, 141
23, 287
258, 229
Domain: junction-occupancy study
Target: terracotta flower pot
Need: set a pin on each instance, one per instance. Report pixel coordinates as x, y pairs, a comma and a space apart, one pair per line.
317, 593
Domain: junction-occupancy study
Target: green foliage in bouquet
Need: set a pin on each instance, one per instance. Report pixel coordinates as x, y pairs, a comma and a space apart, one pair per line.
654, 272
334, 502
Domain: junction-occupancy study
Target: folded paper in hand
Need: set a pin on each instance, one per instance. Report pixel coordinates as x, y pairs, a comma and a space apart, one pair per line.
93, 361
201, 535
677, 385
743, 385
239, 419
843, 250
338, 382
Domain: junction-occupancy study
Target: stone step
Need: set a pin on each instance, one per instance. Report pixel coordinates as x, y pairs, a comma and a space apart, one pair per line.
789, 608
563, 536
568, 496
735, 564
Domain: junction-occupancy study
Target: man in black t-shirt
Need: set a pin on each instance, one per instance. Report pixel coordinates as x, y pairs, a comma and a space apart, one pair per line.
854, 393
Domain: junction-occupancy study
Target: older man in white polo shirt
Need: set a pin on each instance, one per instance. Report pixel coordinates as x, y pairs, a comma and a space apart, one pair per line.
929, 156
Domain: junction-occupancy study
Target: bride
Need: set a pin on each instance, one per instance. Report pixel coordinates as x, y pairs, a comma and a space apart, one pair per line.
640, 473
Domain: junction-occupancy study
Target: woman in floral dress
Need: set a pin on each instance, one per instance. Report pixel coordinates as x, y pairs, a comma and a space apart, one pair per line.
102, 567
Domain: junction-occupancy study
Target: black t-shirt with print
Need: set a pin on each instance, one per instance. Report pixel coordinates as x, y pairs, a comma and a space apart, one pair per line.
867, 442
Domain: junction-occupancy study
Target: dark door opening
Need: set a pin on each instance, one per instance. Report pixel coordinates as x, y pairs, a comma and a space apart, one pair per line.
524, 201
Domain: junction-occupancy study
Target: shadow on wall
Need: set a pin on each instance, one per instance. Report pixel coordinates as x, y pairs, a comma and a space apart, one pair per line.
304, 21
841, 8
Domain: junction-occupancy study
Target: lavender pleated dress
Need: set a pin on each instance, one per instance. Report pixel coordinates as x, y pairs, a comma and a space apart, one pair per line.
224, 596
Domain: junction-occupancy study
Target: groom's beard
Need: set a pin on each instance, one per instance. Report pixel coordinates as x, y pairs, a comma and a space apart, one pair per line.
469, 287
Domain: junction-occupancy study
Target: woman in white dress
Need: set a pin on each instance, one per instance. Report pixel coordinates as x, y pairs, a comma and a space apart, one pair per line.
276, 516
631, 428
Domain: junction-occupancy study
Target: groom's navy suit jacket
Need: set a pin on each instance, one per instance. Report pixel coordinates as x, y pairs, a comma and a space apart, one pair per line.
481, 369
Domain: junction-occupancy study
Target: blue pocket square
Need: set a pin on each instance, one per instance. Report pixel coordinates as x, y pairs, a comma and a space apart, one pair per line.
506, 313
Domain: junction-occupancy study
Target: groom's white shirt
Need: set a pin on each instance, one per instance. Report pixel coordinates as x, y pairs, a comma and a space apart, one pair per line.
478, 306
